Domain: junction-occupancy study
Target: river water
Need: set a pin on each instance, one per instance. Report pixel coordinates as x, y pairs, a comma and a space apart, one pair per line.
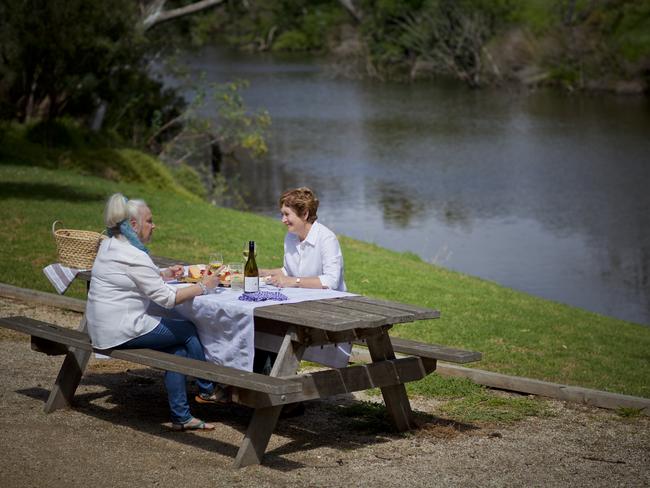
544, 192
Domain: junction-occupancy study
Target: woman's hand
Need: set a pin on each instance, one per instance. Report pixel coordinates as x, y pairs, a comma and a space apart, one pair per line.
211, 280
269, 272
173, 272
282, 281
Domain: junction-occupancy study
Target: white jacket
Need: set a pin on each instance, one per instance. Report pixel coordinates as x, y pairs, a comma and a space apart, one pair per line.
124, 282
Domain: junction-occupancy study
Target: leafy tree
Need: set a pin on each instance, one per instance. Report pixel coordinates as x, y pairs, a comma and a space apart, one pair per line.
57, 53
88, 60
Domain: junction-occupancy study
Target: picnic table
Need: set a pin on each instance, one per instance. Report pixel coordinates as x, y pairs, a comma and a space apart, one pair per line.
356, 319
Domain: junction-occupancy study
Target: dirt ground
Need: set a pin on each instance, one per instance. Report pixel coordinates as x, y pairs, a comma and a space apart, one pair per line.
116, 436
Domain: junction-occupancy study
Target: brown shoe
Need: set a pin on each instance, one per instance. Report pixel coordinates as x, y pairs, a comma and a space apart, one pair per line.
220, 395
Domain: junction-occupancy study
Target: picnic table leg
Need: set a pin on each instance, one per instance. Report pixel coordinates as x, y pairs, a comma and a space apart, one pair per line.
397, 402
69, 376
264, 420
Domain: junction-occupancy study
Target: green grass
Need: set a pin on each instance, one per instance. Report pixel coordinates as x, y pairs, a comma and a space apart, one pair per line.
487, 407
474, 404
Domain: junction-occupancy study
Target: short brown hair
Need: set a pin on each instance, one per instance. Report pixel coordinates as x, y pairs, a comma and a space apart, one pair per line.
301, 200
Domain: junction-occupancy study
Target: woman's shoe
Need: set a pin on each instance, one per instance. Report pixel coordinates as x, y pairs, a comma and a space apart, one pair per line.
220, 395
192, 424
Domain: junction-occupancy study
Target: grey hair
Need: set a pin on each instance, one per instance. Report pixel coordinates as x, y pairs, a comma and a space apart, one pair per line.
119, 208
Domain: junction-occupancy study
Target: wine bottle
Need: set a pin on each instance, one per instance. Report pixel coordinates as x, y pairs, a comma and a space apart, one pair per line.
251, 273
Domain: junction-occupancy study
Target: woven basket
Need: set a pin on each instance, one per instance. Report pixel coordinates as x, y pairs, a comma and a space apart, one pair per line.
76, 248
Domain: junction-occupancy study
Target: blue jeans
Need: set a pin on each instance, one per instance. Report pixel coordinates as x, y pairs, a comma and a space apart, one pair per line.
175, 337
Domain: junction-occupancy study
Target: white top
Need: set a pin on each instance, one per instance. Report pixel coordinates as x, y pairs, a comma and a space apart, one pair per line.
318, 255
124, 282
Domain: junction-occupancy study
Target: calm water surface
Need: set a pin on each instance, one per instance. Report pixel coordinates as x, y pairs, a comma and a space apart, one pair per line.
545, 192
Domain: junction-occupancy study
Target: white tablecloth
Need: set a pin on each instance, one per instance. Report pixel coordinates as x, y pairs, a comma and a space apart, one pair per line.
225, 326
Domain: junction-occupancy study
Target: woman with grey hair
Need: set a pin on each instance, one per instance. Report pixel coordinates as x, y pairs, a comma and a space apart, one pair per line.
124, 282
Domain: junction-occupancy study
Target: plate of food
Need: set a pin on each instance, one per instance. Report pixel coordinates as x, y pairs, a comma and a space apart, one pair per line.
194, 273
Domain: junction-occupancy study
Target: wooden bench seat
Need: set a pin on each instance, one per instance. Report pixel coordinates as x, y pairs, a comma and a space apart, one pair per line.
431, 351
53, 339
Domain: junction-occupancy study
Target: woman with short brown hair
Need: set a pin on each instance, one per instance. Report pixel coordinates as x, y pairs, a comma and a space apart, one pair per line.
312, 254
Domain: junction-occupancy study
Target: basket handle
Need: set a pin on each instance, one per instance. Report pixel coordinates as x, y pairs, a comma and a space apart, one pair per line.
54, 225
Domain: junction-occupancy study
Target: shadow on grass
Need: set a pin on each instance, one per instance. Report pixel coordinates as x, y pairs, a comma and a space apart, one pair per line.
47, 191
136, 399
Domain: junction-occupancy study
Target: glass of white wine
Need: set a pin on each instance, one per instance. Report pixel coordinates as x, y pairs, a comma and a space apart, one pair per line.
216, 261
245, 251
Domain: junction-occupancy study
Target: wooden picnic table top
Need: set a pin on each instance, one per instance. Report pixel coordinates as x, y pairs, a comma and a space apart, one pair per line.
330, 315
345, 313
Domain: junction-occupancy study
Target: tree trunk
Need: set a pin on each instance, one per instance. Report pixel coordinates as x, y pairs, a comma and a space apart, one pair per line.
98, 116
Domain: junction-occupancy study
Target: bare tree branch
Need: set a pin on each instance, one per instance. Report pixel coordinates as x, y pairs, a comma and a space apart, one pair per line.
354, 11
157, 15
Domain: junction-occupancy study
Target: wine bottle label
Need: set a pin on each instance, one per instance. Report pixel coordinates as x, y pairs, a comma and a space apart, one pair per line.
251, 284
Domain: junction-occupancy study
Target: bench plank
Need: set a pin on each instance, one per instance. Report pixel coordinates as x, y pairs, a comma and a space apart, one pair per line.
431, 351
51, 332
209, 371
155, 359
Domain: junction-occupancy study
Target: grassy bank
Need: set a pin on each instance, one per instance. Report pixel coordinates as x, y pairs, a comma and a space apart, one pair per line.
517, 333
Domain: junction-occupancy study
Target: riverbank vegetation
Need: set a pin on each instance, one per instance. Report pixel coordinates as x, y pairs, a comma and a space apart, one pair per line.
575, 44
82, 76
518, 334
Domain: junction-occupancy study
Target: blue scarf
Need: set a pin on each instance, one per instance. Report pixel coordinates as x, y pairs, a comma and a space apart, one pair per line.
127, 231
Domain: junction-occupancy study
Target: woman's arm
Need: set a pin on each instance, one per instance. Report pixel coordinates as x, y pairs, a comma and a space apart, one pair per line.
173, 272
186, 293
332, 262
282, 281
270, 272
149, 281
208, 283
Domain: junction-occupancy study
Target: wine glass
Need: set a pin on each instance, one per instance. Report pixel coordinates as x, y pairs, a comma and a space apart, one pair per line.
216, 261
236, 275
245, 250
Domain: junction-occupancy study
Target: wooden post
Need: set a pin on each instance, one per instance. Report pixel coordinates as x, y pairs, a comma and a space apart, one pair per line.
69, 376
397, 402
264, 420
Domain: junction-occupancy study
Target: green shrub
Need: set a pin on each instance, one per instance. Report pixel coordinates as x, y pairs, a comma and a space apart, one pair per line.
629, 29
16, 149
54, 133
128, 165
292, 40
534, 15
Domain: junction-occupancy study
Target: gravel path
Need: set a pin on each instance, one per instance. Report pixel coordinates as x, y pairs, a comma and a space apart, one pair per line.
116, 436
